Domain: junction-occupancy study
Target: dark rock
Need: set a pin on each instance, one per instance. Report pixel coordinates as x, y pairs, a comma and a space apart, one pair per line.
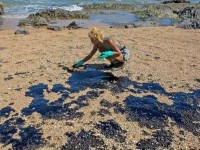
189, 18
1, 9
130, 26
145, 22
55, 28
189, 24
123, 25
39, 21
21, 31
73, 25
139, 23
43, 17
34, 21
189, 12
1, 20
24, 22
155, 11
176, 1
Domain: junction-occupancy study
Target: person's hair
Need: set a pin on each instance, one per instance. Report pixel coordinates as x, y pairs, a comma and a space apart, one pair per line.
96, 34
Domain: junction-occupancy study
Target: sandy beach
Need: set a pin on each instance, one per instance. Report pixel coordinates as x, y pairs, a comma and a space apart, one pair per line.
164, 67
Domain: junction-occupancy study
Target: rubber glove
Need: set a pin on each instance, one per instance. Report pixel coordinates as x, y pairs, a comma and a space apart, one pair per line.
106, 54
78, 64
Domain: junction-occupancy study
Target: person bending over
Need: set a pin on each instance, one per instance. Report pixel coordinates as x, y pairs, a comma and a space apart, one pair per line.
110, 49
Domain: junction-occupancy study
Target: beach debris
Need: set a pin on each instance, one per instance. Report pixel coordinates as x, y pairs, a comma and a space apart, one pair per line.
10, 77
189, 18
73, 25
21, 31
54, 28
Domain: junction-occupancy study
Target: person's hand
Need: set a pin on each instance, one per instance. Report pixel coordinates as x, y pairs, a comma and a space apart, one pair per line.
78, 64
106, 54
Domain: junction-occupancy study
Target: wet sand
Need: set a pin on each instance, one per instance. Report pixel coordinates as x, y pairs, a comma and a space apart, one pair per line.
153, 102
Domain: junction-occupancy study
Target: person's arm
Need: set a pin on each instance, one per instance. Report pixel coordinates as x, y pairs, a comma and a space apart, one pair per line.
88, 57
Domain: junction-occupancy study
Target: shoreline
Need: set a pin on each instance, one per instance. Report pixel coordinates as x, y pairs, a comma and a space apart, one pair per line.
132, 13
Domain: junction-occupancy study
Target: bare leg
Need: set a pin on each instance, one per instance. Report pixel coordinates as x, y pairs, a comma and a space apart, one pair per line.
119, 58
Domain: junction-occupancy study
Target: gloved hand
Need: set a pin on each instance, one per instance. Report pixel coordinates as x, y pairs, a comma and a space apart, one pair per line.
106, 54
78, 64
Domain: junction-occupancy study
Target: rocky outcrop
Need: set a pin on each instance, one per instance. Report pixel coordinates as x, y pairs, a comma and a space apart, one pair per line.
1, 20
189, 18
1, 9
145, 23
175, 1
148, 8
110, 6
54, 28
155, 11
58, 14
36, 21
1, 13
73, 25
39, 21
43, 17
25, 22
